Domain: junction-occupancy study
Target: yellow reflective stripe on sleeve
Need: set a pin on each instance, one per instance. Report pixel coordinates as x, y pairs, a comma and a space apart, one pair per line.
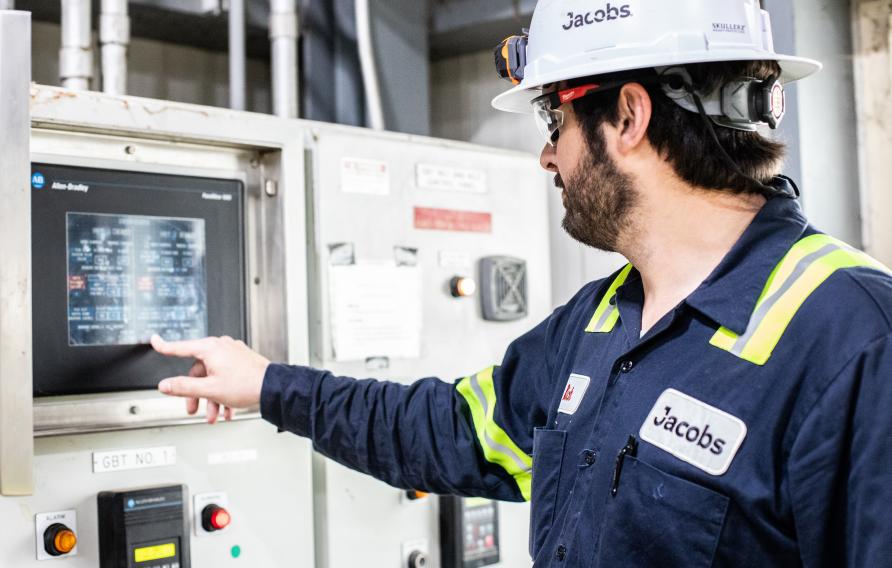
607, 314
808, 265
498, 448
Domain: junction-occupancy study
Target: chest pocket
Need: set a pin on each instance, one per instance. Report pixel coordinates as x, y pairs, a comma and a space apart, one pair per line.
548, 457
657, 519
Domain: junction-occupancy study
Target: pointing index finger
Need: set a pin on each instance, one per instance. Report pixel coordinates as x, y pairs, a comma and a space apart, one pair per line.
195, 348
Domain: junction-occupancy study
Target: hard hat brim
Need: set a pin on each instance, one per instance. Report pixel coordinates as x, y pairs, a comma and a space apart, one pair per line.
518, 99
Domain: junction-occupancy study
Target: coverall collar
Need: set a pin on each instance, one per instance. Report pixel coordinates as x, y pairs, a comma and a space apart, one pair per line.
729, 295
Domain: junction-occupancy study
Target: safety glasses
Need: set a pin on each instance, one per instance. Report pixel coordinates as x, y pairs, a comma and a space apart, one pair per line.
546, 109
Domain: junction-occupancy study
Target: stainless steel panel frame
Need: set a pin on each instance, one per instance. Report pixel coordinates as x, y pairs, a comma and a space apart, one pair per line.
90, 129
16, 443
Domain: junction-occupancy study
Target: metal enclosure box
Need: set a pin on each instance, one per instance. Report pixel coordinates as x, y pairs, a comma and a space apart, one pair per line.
385, 203
89, 443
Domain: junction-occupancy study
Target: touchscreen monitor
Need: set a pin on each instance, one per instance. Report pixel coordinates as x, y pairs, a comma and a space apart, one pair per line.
119, 256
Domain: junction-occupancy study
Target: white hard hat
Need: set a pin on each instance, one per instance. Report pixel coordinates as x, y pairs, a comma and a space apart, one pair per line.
570, 39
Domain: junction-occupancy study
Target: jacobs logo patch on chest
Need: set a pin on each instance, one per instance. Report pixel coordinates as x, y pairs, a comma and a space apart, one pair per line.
693, 431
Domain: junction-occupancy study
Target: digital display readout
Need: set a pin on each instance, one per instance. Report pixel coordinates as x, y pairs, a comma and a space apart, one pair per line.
130, 277
157, 552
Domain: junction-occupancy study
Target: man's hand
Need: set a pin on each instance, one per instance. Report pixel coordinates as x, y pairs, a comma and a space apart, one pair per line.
226, 373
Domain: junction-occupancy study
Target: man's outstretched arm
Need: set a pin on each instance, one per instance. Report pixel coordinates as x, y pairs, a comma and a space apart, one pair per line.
473, 437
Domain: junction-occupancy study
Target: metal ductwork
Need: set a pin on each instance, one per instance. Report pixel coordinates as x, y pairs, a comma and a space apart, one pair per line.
114, 34
76, 55
374, 101
237, 56
283, 34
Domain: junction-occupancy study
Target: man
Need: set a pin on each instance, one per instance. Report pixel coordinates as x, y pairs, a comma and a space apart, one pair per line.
724, 400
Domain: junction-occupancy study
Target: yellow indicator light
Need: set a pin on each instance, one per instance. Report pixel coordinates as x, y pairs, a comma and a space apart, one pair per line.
65, 541
155, 552
462, 287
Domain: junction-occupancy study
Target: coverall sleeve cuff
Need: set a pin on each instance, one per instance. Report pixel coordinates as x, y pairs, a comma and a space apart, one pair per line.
287, 395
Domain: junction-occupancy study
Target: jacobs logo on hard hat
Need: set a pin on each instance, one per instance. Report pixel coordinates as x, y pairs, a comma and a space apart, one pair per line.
655, 34
609, 13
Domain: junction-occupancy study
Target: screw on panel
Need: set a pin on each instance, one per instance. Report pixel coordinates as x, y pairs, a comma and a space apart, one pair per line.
130, 149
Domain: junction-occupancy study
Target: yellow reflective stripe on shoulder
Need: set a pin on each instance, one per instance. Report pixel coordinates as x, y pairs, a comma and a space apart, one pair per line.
607, 314
806, 266
498, 448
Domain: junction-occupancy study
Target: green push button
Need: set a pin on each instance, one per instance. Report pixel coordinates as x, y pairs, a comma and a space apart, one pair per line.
236, 551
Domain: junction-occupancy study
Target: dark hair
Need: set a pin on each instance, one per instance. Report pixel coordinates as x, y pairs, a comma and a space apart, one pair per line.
681, 136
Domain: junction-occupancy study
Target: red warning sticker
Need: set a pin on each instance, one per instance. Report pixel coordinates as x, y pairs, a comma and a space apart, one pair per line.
449, 220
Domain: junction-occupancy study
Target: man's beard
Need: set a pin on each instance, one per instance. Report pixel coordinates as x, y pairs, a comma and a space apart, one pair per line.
599, 200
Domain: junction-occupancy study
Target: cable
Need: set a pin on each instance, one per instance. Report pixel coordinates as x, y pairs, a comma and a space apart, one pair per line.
767, 190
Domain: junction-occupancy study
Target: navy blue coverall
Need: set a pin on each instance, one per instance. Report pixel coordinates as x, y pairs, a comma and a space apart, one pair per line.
678, 448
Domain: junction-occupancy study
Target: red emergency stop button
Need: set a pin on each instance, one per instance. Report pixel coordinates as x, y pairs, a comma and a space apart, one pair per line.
59, 540
215, 518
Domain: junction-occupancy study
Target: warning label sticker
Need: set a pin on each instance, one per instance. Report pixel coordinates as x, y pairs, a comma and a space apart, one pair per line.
450, 220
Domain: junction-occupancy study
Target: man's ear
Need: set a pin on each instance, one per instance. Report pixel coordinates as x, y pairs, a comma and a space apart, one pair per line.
634, 112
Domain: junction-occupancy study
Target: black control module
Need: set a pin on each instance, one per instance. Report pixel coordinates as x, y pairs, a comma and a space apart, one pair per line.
144, 528
469, 532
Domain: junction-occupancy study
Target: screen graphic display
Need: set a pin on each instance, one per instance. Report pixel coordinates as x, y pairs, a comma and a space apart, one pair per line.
130, 277
120, 256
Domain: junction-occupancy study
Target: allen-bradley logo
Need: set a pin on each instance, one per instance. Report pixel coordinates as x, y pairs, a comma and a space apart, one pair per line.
38, 180
729, 28
69, 186
606, 14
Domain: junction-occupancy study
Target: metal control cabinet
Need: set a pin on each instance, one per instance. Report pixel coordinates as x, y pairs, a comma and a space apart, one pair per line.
403, 207
83, 445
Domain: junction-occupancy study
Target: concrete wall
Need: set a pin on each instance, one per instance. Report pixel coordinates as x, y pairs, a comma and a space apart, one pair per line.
400, 33
873, 64
828, 136
161, 71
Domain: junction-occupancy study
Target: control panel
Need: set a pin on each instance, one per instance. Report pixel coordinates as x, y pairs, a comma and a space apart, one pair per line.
144, 528
469, 532
125, 218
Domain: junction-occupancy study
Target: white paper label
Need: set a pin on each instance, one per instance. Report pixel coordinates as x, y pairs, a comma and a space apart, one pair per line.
375, 311
693, 431
236, 456
454, 259
446, 178
121, 460
573, 394
370, 177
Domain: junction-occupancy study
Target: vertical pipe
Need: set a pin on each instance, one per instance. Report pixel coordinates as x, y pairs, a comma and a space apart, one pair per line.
16, 407
369, 67
237, 54
283, 32
7, 4
76, 55
114, 33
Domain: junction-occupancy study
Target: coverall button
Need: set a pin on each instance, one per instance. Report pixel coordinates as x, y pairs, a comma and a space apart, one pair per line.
589, 457
561, 553
626, 366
